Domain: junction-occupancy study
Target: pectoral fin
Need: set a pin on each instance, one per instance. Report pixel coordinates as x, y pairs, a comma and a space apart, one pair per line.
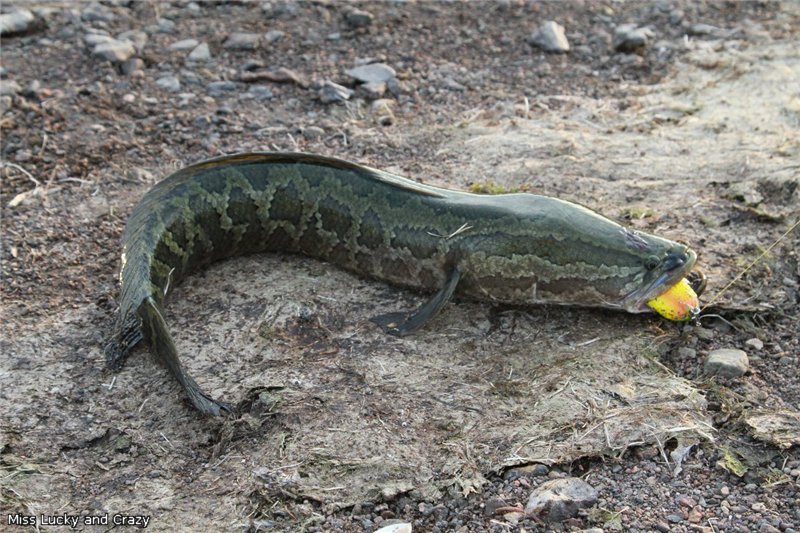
404, 323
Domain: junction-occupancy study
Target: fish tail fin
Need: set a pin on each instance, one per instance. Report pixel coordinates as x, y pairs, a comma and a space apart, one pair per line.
155, 329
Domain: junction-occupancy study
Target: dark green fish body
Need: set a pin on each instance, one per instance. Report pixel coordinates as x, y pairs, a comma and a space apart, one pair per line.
515, 248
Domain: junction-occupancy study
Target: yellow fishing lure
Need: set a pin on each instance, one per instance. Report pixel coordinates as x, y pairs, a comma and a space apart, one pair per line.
679, 303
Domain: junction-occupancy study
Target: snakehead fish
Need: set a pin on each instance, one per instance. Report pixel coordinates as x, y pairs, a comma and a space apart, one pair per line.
510, 248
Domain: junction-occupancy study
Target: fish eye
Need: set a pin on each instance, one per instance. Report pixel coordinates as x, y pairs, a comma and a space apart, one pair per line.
652, 262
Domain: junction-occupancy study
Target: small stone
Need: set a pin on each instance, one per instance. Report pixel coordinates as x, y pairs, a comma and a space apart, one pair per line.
282, 9
675, 17
705, 30
5, 103
492, 505
396, 526
313, 133
273, 36
394, 87
200, 53
97, 11
550, 37
242, 41
755, 342
629, 38
22, 156
453, 85
536, 469
93, 39
114, 51
18, 21
217, 88
560, 499
134, 64
373, 90
136, 37
164, 25
374, 72
704, 333
169, 82
260, 92
357, 18
768, 528
9, 87
674, 518
685, 353
333, 92
184, 44
695, 515
725, 490
758, 507
727, 363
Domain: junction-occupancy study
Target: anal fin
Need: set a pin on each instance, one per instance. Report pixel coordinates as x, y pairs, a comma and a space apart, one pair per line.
405, 323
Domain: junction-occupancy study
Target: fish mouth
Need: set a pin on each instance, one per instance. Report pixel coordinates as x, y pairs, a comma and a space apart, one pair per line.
675, 267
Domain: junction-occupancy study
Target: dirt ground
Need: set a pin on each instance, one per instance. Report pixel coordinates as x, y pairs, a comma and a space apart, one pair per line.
693, 137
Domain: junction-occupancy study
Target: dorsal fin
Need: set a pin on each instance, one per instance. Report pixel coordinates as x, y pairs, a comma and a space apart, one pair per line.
296, 157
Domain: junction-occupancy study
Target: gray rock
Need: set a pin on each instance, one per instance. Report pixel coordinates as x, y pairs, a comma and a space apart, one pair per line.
259, 92
280, 9
629, 38
242, 41
550, 37
137, 37
273, 36
727, 363
5, 103
93, 39
97, 12
132, 65
373, 89
184, 44
357, 18
165, 26
313, 132
333, 92
217, 88
200, 53
169, 82
755, 342
374, 72
560, 499
9, 87
675, 17
114, 51
686, 353
453, 85
18, 21
705, 30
